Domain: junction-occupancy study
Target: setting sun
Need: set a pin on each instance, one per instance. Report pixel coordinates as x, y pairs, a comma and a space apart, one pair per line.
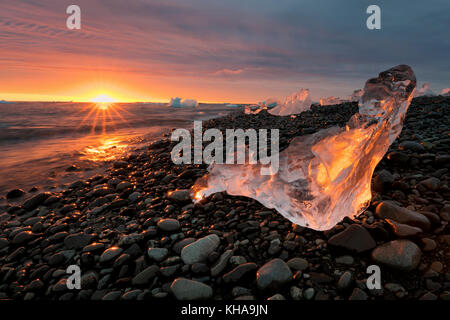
103, 98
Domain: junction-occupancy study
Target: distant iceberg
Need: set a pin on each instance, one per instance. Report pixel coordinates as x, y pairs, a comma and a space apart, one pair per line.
254, 108
445, 92
330, 101
5, 102
178, 103
424, 91
231, 105
296, 103
270, 103
356, 95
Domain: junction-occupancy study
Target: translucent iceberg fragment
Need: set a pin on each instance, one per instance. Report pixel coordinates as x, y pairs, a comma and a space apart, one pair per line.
296, 103
325, 176
445, 92
356, 95
254, 109
329, 101
425, 91
269, 103
176, 102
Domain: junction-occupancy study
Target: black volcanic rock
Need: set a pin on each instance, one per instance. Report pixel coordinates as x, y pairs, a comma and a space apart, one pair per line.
16, 193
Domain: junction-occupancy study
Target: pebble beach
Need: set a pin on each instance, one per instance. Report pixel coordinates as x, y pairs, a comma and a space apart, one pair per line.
136, 234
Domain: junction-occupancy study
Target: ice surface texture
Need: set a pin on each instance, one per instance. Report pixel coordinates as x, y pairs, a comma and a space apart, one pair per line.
294, 104
325, 176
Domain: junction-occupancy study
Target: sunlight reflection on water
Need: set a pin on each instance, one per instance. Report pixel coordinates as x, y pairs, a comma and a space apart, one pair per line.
108, 149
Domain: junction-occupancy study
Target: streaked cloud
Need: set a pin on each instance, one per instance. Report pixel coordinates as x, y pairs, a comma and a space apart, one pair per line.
236, 49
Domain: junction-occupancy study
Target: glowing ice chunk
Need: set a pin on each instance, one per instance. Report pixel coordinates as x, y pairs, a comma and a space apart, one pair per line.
329, 101
325, 176
425, 91
296, 103
176, 102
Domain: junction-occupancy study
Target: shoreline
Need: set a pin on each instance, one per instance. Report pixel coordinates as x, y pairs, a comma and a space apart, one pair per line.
126, 230
52, 157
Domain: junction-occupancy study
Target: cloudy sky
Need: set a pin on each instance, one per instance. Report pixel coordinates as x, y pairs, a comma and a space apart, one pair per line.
215, 51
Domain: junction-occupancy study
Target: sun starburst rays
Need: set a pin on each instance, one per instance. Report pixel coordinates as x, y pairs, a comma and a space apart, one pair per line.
102, 117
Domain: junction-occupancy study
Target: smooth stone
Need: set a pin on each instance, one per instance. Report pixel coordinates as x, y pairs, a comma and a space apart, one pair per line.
221, 263
131, 295
308, 294
298, 264
345, 281
199, 250
403, 230
237, 260
431, 183
19, 252
445, 213
113, 295
145, 275
412, 146
32, 221
354, 238
37, 200
157, 254
77, 240
110, 254
429, 296
56, 259
240, 291
398, 254
169, 225
358, 294
185, 289
16, 193
428, 244
296, 293
180, 195
131, 239
134, 196
388, 210
97, 246
3, 243
382, 181
60, 286
22, 237
123, 185
177, 247
273, 275
200, 268
239, 272
346, 260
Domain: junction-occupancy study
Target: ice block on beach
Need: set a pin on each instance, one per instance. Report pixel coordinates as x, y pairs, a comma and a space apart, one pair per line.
325, 176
